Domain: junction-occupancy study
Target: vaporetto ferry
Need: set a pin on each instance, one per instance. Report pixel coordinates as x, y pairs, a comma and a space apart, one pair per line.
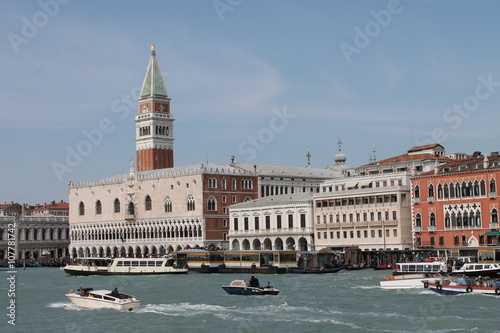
241, 261
124, 266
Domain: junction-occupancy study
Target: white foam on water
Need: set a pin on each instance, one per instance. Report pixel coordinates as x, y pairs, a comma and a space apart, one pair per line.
66, 306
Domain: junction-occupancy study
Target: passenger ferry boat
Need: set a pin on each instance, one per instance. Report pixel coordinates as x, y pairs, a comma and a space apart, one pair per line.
124, 266
434, 267
462, 285
407, 281
97, 299
238, 261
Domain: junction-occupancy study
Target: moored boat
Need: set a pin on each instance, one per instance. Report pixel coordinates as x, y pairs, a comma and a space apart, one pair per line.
242, 287
124, 266
463, 285
97, 299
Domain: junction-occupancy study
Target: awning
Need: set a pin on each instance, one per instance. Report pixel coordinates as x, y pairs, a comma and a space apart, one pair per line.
351, 184
492, 233
365, 182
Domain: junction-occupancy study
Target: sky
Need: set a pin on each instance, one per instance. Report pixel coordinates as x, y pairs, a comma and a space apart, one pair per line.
263, 81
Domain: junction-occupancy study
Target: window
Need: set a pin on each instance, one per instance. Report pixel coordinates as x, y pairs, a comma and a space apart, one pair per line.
131, 209
303, 220
256, 220
431, 191
418, 220
212, 183
417, 192
493, 187
278, 221
268, 222
290, 221
482, 187
212, 204
98, 207
235, 221
147, 203
224, 199
432, 219
440, 191
245, 221
168, 205
190, 203
494, 216
81, 209
233, 184
224, 184
117, 206
441, 240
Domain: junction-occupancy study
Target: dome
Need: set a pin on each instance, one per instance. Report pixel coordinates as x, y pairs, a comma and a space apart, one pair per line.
340, 158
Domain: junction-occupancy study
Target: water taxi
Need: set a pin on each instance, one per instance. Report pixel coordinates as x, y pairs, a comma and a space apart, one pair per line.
407, 281
463, 285
98, 299
242, 287
124, 266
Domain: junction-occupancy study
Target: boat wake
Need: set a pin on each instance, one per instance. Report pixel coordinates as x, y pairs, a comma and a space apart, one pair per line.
65, 306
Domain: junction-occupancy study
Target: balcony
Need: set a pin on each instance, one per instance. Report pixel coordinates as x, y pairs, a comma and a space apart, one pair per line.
430, 199
130, 217
494, 225
431, 228
416, 201
417, 229
493, 195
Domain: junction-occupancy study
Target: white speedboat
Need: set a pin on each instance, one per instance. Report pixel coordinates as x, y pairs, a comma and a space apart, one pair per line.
406, 281
97, 299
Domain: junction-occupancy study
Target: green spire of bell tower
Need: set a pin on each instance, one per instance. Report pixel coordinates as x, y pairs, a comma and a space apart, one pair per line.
153, 82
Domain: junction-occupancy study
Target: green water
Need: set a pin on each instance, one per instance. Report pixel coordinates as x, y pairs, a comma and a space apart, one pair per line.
348, 301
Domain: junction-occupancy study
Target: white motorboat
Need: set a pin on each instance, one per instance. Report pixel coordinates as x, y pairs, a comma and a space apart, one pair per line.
97, 299
406, 281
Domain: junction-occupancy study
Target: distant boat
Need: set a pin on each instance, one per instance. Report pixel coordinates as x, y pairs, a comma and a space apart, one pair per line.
462, 285
97, 299
242, 287
124, 266
406, 281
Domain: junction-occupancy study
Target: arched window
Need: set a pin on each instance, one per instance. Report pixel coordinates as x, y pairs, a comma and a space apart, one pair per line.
452, 190
440, 191
465, 190
494, 216
478, 219
224, 184
441, 240
456, 240
212, 183
190, 203
417, 192
431, 191
168, 205
432, 219
418, 220
457, 190
81, 209
459, 220
212, 204
131, 209
482, 187
447, 220
233, 184
147, 203
493, 186
98, 207
476, 188
446, 192
433, 242
117, 206
419, 241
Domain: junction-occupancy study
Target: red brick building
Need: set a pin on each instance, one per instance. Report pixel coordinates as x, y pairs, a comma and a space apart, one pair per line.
456, 204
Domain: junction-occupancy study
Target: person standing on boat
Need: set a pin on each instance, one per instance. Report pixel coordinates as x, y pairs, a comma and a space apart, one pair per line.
254, 282
115, 293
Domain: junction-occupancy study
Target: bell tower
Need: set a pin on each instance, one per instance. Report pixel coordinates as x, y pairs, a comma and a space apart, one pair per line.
154, 124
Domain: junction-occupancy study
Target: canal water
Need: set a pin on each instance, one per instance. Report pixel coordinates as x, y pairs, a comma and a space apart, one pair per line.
347, 301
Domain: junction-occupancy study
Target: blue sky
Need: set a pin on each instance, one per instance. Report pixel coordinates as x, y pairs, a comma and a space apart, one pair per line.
261, 80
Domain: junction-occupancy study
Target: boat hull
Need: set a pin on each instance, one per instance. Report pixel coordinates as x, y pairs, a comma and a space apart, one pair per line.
247, 291
93, 303
86, 272
460, 290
